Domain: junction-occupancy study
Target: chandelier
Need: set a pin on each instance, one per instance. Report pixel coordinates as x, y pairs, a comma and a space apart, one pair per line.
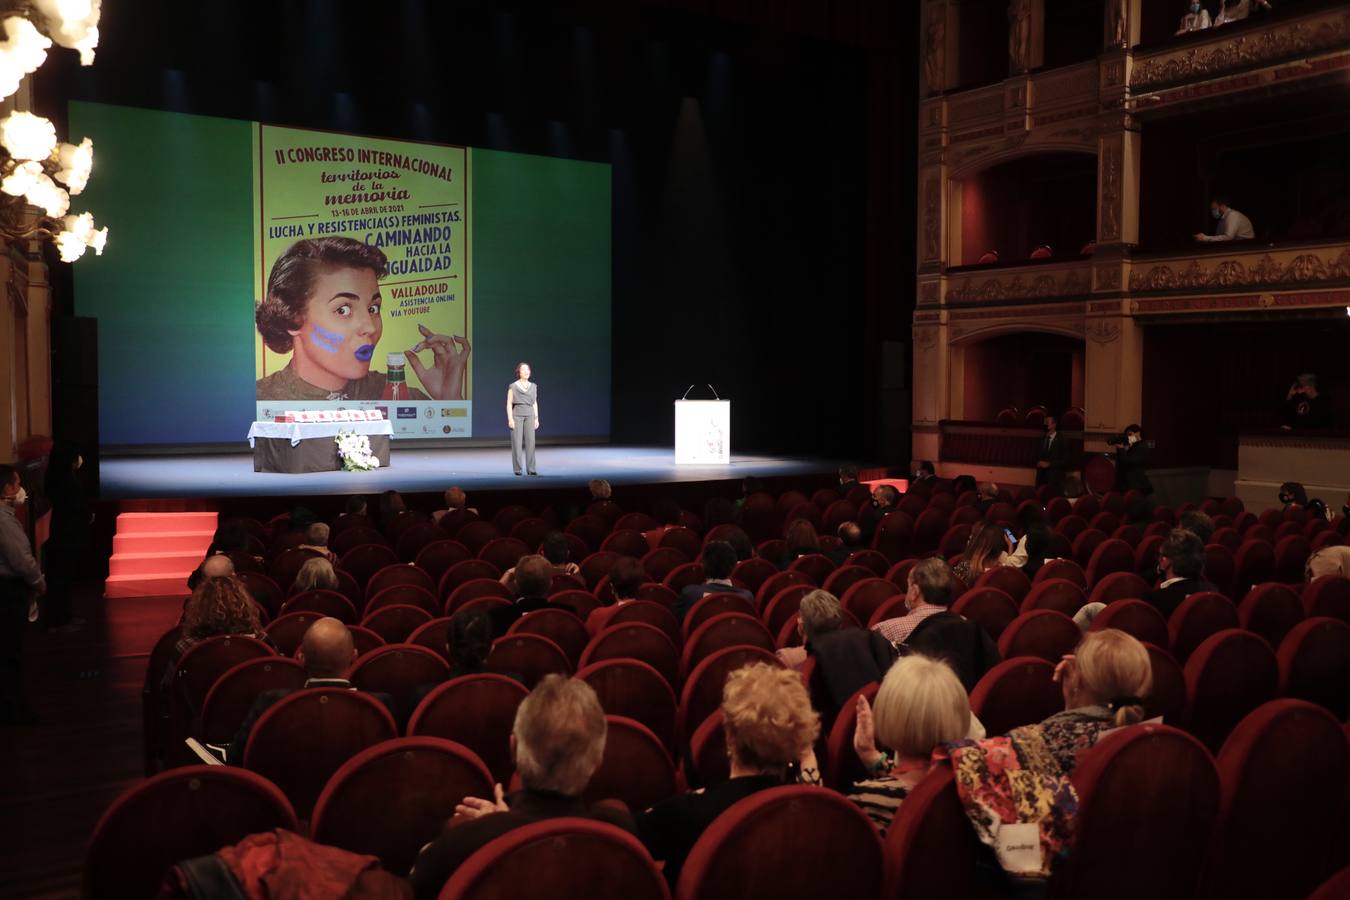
34, 165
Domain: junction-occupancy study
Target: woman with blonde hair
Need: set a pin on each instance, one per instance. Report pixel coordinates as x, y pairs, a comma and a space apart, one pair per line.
316, 574
920, 705
1104, 681
770, 727
988, 548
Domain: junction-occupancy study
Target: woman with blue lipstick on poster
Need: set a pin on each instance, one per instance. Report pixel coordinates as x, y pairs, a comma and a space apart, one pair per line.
323, 307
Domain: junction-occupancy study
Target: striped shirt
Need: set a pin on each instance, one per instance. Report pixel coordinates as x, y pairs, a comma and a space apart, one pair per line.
898, 630
880, 798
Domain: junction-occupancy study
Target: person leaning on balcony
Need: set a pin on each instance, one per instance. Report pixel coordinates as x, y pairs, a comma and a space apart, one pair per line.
1237, 10
1232, 225
1196, 19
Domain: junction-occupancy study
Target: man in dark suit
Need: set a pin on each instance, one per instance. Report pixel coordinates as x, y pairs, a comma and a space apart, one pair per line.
884, 498
533, 578
719, 558
1181, 562
557, 742
327, 653
1052, 462
848, 478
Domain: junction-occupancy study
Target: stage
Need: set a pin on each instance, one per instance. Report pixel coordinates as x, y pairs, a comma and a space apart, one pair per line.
417, 471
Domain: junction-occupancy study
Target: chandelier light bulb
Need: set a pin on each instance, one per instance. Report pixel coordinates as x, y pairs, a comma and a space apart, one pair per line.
27, 136
73, 24
21, 52
76, 162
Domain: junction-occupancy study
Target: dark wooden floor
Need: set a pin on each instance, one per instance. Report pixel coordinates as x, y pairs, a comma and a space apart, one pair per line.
60, 775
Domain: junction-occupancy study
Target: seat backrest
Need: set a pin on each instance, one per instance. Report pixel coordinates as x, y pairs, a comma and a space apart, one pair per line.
1283, 773
777, 582
1270, 610
634, 690
398, 669
1118, 586
1149, 792
303, 738
364, 560
795, 841
1085, 544
1196, 618
1314, 661
711, 605
720, 632
477, 711
707, 764
626, 542
399, 574
264, 590
1167, 697
864, 597
662, 560
1058, 594
1254, 563
1328, 595
783, 606
753, 572
1111, 555
233, 693
395, 623
289, 630
635, 640
578, 859
702, 691
636, 768
177, 815
1020, 691
648, 613
879, 563
930, 849
403, 594
504, 552
987, 607
477, 534
393, 799
1136, 618
1008, 579
475, 589
528, 655
1337, 887
1057, 569
1229, 674
466, 571
207, 660
438, 556
322, 603
1044, 633
842, 766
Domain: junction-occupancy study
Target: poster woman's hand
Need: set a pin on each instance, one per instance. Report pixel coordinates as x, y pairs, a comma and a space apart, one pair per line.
444, 379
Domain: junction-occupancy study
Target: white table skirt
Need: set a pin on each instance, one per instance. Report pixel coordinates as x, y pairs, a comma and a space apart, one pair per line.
299, 431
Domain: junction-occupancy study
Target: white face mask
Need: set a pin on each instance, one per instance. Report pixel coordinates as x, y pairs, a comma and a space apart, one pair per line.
1133, 438
20, 497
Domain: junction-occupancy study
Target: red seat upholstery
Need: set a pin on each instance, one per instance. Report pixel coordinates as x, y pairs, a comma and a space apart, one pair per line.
1111, 555
561, 627
364, 560
477, 711
1229, 675
529, 656
289, 630
264, 590
462, 573
1314, 661
1020, 691
1058, 594
844, 577
432, 635
782, 606
1328, 595
635, 690
707, 765
233, 694
474, 589
1227, 537
954, 540
837, 513
404, 595
393, 799
1136, 618
477, 535
1008, 579
702, 692
842, 766
1270, 610
398, 669
1044, 633
286, 564
1146, 554
928, 531
1196, 618
508, 517
597, 565
987, 607
1282, 822
417, 536
1119, 586
340, 542
1167, 697
395, 623
775, 583
648, 613
504, 552
404, 521
438, 556
636, 768
302, 739
931, 851
1291, 553
686, 540
878, 563
720, 632
661, 561
1337, 887
1151, 791
1254, 563
1061, 570
364, 639
322, 603
753, 572
1085, 544
193, 676
635, 640
710, 605
815, 566
576, 859
864, 597
177, 815
627, 543
399, 574
684, 575
658, 593
453, 522
786, 842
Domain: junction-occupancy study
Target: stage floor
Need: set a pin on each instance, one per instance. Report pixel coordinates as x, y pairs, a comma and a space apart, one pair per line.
413, 471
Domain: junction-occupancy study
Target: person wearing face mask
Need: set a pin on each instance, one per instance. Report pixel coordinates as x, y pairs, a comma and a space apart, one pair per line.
20, 577
1181, 565
1196, 19
1132, 461
1232, 225
884, 498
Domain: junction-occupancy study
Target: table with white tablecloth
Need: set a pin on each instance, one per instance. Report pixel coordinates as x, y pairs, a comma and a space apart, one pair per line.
310, 446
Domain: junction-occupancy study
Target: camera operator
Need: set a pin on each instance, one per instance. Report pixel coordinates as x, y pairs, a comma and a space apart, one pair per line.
1132, 461
1304, 406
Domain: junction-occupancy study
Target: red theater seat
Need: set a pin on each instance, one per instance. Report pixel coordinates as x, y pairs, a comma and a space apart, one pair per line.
1328, 595
1058, 594
399, 575
1314, 661
636, 769
1008, 579
1016, 692
1044, 633
529, 656
477, 711
989, 608
1119, 586
233, 694
1136, 618
842, 766
635, 690
711, 605
1270, 610
863, 598
1229, 675
561, 627
398, 670
635, 640
395, 623
364, 560
723, 631
1196, 618
931, 851
322, 603
1167, 698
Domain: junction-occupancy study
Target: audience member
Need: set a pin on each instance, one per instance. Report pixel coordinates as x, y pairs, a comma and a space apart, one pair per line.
770, 727
919, 706
1305, 406
884, 498
468, 641
928, 592
1033, 547
557, 741
229, 538
1333, 560
391, 504
921, 470
848, 478
987, 549
846, 658
1292, 493
1181, 563
750, 485
355, 506
1237, 10
533, 576
317, 574
1196, 19
316, 541
600, 489
557, 551
327, 652
626, 577
68, 539
986, 495
718, 560
801, 539
455, 500
963, 483
220, 605
1052, 461
1132, 462
740, 542
1105, 682
850, 542
1197, 523
20, 578
1231, 224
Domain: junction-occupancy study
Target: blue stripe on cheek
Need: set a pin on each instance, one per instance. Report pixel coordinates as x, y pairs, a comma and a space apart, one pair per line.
325, 339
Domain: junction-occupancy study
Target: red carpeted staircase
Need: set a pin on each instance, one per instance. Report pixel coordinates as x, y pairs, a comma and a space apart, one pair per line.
153, 553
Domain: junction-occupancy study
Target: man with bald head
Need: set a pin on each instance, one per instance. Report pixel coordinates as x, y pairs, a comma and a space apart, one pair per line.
327, 653
217, 565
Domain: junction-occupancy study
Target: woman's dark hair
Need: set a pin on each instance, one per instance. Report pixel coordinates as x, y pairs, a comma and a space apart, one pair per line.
468, 641
801, 538
292, 281
555, 548
1133, 428
230, 537
719, 558
626, 577
740, 542
1295, 492
520, 365
1039, 539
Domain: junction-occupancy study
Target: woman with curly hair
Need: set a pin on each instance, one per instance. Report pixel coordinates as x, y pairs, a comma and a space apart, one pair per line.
218, 606
770, 727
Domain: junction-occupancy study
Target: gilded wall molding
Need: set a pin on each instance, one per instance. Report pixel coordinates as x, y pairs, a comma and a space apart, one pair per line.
1111, 191
1102, 331
1303, 268
932, 217
1045, 284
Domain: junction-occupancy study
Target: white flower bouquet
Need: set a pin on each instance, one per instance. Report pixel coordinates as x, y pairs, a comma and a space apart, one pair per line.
355, 453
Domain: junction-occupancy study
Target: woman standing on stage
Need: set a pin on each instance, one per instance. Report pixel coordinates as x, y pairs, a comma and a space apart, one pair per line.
522, 417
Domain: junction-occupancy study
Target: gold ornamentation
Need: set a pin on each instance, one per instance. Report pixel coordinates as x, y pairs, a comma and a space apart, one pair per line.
932, 207
1043, 285
1102, 331
1228, 273
935, 37
1111, 192
1108, 278
1113, 73
928, 292
925, 339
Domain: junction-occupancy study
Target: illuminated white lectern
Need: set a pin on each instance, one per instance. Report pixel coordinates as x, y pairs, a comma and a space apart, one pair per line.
702, 431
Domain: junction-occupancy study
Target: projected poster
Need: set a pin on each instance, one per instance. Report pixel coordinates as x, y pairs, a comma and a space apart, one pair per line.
364, 297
